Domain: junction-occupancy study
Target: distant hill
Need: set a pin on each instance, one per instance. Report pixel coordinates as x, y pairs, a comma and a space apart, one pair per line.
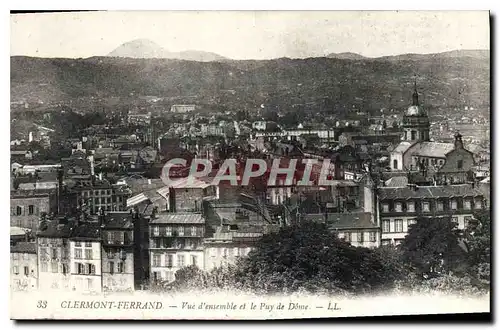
315, 84
346, 56
144, 48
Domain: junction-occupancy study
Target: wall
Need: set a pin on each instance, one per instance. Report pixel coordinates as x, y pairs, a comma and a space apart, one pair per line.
80, 282
26, 220
49, 278
20, 281
214, 253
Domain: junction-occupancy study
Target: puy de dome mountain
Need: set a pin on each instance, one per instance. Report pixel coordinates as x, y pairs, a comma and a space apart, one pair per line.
144, 48
455, 79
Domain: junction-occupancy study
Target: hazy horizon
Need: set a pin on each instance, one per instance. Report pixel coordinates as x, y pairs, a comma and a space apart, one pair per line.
251, 35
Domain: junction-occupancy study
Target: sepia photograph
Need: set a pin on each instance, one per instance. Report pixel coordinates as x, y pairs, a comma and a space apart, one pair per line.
249, 165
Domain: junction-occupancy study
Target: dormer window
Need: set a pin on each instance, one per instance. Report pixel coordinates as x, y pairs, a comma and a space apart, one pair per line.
398, 207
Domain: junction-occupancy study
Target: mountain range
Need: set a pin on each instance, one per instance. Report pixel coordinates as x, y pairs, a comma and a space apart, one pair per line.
145, 48
451, 79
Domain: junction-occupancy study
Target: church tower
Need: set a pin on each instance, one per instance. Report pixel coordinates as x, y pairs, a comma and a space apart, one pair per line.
416, 126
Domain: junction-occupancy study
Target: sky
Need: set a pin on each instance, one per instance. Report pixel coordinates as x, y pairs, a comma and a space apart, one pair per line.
251, 34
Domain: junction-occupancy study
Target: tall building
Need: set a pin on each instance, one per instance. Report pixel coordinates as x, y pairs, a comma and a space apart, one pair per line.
54, 254
24, 266
399, 207
417, 153
85, 258
416, 126
176, 241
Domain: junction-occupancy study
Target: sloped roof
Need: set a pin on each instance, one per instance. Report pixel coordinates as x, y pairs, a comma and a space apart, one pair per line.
402, 147
24, 247
432, 149
397, 181
179, 218
429, 192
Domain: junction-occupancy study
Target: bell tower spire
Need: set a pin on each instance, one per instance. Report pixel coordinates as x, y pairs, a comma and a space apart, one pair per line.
415, 94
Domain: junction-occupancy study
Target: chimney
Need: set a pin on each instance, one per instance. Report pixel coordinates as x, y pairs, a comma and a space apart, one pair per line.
458, 141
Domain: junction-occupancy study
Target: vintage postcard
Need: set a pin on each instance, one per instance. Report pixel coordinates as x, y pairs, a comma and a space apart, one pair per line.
249, 164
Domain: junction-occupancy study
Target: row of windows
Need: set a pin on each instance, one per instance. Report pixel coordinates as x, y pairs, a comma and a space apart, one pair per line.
119, 237
54, 253
79, 244
96, 192
21, 210
426, 206
26, 270
80, 253
398, 225
229, 252
120, 267
84, 269
165, 275
54, 267
165, 243
179, 230
168, 261
360, 237
20, 256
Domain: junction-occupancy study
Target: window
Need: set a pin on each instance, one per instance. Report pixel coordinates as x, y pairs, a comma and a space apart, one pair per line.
236, 251
386, 226
44, 267
170, 260
426, 207
111, 267
398, 225
89, 283
453, 204
410, 206
88, 254
181, 231
156, 260
478, 204
180, 261
78, 253
31, 209
19, 210
373, 236
460, 164
395, 164
26, 271
224, 252
213, 252
65, 269
399, 207
385, 207
193, 231
413, 135
467, 204
78, 244
54, 267
156, 231
15, 269
88, 244
347, 237
440, 206
168, 231
54, 253
467, 220
360, 237
15, 256
121, 267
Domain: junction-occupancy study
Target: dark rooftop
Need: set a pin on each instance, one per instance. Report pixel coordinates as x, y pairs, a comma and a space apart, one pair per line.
118, 220
429, 192
23, 247
86, 231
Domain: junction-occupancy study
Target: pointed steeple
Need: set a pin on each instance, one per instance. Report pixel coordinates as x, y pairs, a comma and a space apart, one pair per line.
415, 95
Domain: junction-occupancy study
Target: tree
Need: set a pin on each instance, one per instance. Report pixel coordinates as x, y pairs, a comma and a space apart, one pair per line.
478, 242
432, 246
309, 257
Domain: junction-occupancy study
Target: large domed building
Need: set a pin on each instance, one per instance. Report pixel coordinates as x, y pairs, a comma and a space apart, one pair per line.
415, 121
445, 162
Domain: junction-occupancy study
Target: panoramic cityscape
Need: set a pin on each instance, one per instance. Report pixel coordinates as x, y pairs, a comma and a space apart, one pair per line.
166, 171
